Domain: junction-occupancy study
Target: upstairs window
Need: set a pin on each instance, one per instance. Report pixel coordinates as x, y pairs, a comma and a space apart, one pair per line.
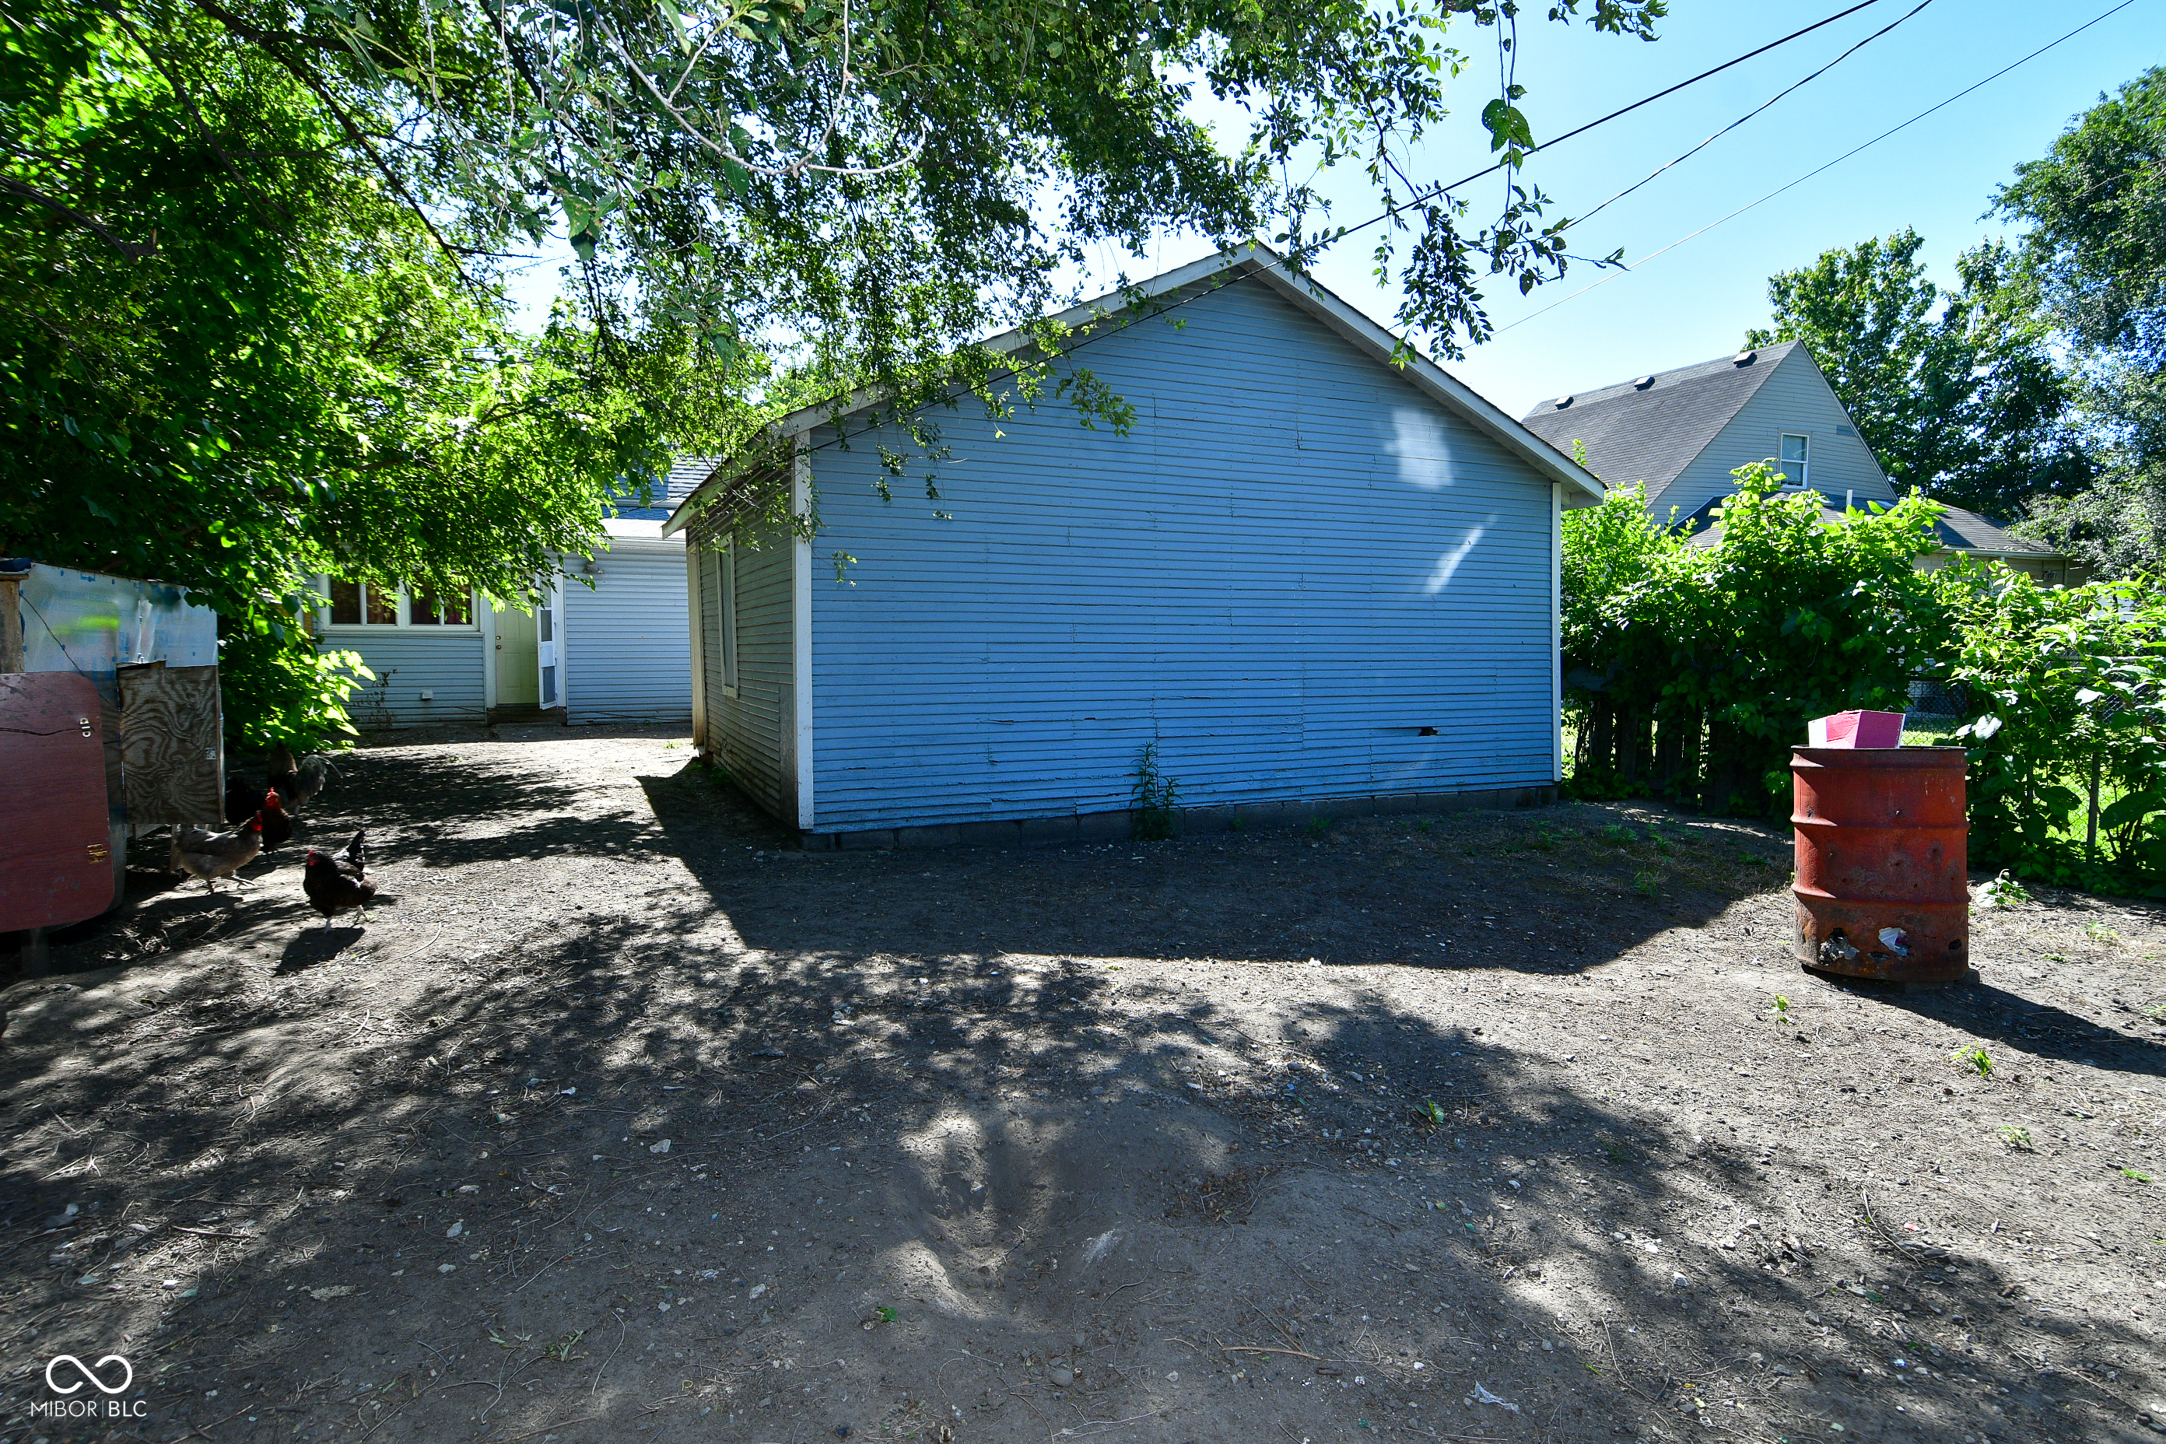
1796, 460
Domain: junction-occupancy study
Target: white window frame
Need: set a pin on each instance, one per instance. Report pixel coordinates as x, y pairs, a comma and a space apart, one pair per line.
1803, 480
726, 610
405, 620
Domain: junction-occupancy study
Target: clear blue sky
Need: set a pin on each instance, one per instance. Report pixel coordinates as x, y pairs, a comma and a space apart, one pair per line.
1697, 301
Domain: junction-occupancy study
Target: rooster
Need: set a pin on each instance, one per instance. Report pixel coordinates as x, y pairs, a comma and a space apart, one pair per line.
277, 825
200, 852
337, 882
297, 782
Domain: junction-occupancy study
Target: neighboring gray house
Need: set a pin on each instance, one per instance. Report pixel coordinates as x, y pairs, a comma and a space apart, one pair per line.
611, 652
1682, 432
1317, 581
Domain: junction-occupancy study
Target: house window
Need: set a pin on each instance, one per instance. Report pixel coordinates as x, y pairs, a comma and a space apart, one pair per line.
365, 604
432, 609
1796, 459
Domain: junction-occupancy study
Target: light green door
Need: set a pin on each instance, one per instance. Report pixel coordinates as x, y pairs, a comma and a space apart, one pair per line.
518, 672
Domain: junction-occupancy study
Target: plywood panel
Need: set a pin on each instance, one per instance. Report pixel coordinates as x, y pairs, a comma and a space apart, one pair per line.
172, 764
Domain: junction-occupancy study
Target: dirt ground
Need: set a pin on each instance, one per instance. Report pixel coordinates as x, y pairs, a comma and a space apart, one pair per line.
618, 1120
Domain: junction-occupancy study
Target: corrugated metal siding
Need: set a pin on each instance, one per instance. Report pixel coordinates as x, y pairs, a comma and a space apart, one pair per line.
627, 642
1795, 398
1292, 565
408, 661
746, 731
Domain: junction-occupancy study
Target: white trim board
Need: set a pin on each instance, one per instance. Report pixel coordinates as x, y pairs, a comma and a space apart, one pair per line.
801, 625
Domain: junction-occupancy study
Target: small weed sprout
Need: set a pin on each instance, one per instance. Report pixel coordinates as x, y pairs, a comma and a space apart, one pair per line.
560, 1351
1156, 797
1430, 1113
1781, 1011
1974, 1057
1618, 835
2004, 892
1647, 884
2100, 933
1318, 826
2139, 1177
2017, 1139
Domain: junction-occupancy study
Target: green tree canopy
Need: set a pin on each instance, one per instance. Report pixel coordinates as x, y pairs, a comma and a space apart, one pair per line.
228, 362
257, 249
2094, 259
1957, 393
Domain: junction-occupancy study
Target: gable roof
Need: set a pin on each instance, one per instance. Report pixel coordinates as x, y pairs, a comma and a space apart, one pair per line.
1958, 530
1251, 262
685, 476
1650, 428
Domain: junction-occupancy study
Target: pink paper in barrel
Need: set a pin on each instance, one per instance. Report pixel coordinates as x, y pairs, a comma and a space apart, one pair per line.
1857, 729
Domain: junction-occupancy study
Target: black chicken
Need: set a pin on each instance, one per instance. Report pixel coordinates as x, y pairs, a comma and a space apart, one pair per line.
335, 882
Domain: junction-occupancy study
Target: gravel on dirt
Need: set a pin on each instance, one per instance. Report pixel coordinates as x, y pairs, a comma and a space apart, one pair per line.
619, 1117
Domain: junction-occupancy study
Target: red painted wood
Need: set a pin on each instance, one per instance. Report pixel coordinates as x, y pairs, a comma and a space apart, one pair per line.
54, 863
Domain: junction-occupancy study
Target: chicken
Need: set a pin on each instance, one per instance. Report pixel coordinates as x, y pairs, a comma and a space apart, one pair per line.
200, 852
297, 782
277, 826
332, 887
353, 858
242, 799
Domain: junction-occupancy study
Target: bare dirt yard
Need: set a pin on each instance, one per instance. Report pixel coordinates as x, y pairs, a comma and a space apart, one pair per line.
618, 1119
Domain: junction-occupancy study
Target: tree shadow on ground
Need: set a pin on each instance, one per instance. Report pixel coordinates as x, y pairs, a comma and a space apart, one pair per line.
1551, 892
1996, 1015
893, 1149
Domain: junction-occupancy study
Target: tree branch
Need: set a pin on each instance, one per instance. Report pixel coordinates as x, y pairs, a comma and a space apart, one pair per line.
271, 44
97, 228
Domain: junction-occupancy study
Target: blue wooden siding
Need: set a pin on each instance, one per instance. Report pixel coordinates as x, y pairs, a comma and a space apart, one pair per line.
754, 732
627, 641
1292, 565
408, 661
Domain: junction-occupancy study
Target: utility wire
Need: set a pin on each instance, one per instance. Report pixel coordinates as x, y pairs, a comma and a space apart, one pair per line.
1763, 200
1434, 191
1750, 114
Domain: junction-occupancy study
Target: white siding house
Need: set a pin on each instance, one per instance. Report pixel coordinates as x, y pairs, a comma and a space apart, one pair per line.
1316, 581
609, 643
1683, 432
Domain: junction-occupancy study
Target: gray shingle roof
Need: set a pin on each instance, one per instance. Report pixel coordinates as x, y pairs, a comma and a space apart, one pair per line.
1650, 429
684, 478
1959, 530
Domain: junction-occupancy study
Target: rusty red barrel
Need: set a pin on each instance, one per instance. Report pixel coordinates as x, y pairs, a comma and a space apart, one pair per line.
1882, 862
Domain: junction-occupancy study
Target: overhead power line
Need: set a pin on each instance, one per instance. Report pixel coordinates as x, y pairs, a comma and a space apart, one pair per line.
1792, 185
1751, 113
1434, 191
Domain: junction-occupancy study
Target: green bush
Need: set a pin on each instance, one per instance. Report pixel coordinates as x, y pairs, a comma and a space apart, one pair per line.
1692, 669
2066, 726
